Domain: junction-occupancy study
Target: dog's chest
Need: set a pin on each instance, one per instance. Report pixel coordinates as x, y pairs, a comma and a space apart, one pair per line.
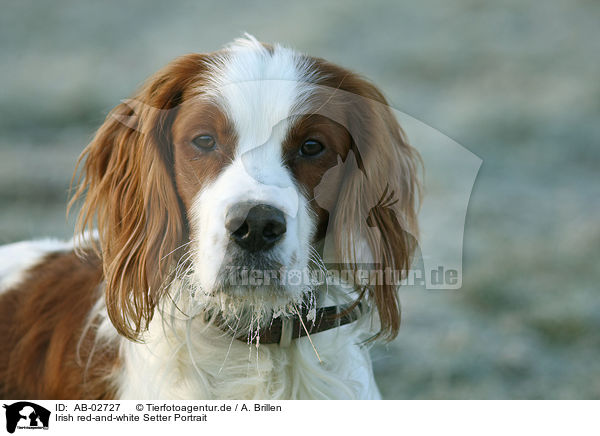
210, 365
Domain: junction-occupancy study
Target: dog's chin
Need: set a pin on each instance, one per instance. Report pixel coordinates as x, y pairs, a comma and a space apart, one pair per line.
247, 296
252, 290
246, 310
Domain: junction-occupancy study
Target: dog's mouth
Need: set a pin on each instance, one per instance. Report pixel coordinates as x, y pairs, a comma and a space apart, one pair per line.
253, 288
245, 272
248, 301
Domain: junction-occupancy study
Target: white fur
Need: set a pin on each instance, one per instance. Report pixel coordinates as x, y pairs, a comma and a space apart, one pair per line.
16, 259
187, 359
259, 91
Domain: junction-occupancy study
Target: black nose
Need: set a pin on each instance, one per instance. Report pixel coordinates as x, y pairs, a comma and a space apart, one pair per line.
255, 228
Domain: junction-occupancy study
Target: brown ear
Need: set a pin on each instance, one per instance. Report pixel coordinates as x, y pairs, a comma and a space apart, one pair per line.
128, 191
378, 198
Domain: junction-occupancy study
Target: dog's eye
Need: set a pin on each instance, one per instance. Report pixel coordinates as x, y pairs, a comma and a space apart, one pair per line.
205, 142
311, 148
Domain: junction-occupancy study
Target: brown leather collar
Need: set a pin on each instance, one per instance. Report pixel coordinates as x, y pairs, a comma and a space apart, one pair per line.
283, 330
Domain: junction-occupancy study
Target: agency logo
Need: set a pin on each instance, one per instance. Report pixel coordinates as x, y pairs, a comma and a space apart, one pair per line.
26, 415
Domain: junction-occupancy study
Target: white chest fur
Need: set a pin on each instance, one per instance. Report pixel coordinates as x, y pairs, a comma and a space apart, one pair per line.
191, 360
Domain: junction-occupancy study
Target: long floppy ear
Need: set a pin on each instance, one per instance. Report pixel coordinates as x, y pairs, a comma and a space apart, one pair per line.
375, 218
128, 191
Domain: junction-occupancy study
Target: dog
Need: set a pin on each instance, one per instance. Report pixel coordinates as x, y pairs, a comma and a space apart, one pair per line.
228, 212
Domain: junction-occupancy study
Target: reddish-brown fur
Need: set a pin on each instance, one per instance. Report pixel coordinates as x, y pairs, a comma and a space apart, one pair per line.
387, 163
129, 188
41, 323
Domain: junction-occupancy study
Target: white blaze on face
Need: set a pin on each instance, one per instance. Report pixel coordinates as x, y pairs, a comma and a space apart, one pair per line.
259, 90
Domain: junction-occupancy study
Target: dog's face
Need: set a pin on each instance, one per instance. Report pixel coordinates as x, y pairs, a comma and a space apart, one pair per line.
238, 162
249, 192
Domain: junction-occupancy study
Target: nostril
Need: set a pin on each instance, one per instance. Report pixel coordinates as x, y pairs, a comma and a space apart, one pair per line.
242, 231
273, 230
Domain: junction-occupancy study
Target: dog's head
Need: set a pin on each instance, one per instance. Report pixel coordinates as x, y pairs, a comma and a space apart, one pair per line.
252, 158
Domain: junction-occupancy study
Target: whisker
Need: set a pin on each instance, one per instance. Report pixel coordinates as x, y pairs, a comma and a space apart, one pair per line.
307, 334
172, 251
230, 345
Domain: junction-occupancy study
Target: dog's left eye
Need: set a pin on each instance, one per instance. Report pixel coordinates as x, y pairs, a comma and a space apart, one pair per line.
311, 148
205, 142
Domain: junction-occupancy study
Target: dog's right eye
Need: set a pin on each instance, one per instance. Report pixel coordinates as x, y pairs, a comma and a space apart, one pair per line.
311, 148
205, 142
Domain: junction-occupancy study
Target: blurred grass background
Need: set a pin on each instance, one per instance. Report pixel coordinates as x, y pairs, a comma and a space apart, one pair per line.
515, 82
